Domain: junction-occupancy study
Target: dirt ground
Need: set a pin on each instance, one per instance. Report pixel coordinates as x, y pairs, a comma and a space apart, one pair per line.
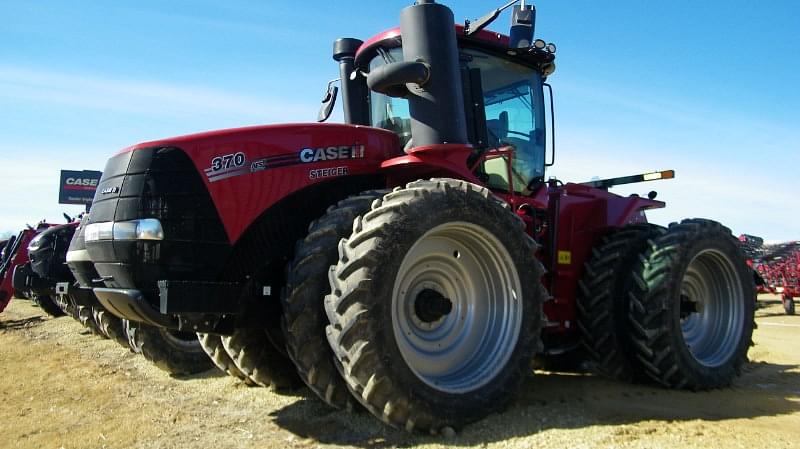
61, 387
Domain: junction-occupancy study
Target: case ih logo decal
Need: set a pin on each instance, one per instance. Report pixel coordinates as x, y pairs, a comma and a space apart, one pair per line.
235, 164
331, 153
81, 183
78, 186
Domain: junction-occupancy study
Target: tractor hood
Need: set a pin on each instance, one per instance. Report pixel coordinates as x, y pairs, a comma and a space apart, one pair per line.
244, 170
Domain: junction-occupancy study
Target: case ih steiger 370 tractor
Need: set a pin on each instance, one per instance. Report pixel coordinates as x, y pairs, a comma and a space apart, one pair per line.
416, 258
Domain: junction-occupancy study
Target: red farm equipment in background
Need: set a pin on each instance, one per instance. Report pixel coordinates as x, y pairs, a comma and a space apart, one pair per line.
776, 268
780, 268
14, 254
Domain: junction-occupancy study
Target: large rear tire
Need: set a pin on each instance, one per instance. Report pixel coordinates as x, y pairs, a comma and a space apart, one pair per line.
692, 310
259, 360
603, 302
304, 318
435, 307
178, 353
212, 344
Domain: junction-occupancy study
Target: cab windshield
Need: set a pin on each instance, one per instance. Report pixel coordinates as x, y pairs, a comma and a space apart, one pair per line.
512, 106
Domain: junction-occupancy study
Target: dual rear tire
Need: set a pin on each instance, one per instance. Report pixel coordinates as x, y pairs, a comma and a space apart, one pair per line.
669, 305
692, 309
603, 301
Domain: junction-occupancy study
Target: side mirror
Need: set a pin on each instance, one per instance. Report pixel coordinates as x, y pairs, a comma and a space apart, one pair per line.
328, 102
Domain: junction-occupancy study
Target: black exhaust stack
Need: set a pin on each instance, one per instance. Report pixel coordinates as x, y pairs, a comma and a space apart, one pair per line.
354, 91
429, 77
437, 106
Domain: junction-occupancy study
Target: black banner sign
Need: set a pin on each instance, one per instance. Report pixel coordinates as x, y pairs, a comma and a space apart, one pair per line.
78, 187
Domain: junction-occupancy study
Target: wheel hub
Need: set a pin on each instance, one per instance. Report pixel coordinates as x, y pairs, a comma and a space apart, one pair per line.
689, 306
456, 308
431, 306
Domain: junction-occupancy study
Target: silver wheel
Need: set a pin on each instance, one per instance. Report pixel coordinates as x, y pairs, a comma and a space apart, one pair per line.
712, 308
456, 307
435, 305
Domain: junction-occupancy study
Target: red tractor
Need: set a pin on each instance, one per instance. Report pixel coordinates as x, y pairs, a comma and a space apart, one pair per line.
414, 259
16, 276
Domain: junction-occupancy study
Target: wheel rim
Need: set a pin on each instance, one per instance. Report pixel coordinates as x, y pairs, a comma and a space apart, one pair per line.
457, 307
712, 308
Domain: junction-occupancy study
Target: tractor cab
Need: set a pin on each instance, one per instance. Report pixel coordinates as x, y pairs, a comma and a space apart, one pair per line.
504, 107
501, 110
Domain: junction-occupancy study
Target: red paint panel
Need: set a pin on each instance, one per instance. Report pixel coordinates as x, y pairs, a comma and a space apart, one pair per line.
248, 192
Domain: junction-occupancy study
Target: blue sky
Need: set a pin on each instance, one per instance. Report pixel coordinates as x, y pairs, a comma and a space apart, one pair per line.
709, 89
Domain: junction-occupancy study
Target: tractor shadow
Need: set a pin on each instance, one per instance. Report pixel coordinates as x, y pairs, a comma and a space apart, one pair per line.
213, 373
775, 314
551, 400
25, 323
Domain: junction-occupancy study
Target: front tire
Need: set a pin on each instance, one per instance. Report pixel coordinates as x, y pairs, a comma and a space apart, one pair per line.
430, 322
212, 344
178, 353
49, 306
109, 325
692, 310
134, 343
259, 360
86, 318
304, 318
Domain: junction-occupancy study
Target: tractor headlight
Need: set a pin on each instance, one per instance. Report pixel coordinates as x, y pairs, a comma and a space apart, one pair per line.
35, 243
144, 229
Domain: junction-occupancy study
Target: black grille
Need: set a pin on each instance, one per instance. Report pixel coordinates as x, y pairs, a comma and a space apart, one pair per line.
157, 183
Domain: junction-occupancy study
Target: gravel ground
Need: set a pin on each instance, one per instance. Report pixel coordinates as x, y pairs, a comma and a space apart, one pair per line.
61, 387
